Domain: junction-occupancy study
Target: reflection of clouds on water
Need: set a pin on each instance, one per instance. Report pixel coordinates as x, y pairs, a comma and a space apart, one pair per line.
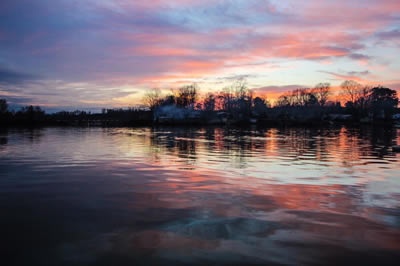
308, 150
298, 238
146, 196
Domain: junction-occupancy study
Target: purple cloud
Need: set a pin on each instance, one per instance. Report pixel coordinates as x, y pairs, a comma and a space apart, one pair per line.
158, 43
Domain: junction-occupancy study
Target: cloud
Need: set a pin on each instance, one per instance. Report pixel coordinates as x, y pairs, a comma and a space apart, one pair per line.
19, 101
392, 34
358, 73
358, 76
114, 37
9, 76
357, 15
357, 56
137, 44
52, 93
389, 36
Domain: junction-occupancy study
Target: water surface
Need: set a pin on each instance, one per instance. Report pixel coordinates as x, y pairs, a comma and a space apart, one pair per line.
177, 196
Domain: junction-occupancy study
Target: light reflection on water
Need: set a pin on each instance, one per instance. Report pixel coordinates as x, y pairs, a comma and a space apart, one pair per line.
122, 196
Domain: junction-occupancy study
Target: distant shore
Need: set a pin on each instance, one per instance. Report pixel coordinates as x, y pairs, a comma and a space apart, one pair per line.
147, 118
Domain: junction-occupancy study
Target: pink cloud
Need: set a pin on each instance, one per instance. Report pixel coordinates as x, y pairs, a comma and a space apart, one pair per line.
347, 76
167, 42
306, 45
358, 15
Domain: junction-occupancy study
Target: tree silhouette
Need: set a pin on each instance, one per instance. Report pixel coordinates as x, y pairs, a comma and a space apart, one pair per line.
282, 101
209, 102
260, 106
152, 98
186, 96
3, 106
382, 102
321, 91
351, 90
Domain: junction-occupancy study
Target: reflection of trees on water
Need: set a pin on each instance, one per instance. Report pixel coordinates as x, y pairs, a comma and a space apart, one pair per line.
180, 142
235, 145
381, 140
347, 144
3, 137
307, 143
33, 135
238, 145
369, 142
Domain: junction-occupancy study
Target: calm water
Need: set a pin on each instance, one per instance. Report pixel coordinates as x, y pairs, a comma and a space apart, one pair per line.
176, 196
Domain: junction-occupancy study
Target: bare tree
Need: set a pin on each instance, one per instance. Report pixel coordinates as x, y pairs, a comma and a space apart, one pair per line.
152, 98
300, 97
296, 97
321, 91
239, 88
283, 101
226, 98
209, 102
351, 90
362, 97
186, 96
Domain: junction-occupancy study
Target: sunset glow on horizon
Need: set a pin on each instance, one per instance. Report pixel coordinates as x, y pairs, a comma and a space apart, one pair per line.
92, 54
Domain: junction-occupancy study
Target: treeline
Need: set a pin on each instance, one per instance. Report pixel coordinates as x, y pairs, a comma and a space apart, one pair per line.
317, 96
107, 117
27, 115
364, 104
36, 116
235, 104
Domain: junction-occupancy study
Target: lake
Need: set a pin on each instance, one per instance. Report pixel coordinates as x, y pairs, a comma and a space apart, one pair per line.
187, 196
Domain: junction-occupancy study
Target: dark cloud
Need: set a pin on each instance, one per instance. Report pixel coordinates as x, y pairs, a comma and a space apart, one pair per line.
357, 56
358, 73
235, 77
8, 76
389, 35
19, 101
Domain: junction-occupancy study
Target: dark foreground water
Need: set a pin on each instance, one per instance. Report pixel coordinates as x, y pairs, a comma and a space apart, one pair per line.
177, 196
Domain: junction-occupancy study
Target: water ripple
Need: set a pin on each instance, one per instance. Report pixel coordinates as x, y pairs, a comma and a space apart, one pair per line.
79, 196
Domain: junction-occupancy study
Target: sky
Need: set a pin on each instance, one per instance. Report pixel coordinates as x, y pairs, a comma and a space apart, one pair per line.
88, 54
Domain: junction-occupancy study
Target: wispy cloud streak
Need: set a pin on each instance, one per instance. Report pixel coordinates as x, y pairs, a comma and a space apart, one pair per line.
139, 44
